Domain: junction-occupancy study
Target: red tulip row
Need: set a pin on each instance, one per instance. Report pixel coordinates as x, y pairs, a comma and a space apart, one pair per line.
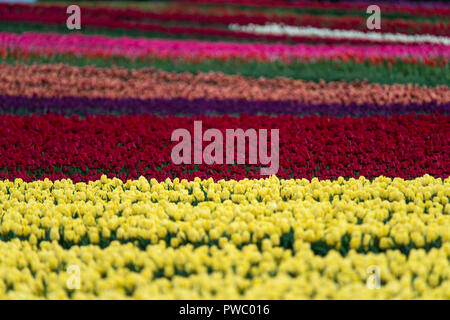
129, 146
69, 53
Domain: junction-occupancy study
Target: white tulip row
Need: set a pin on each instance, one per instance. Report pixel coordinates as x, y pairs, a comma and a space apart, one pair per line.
277, 29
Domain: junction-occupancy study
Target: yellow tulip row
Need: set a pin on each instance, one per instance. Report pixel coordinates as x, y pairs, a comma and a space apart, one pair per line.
384, 213
122, 271
265, 238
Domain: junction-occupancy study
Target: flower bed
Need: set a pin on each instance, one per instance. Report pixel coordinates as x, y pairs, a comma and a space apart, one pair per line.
225, 239
359, 130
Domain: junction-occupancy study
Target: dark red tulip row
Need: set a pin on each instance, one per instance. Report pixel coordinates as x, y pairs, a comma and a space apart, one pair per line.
59, 147
441, 10
28, 14
345, 22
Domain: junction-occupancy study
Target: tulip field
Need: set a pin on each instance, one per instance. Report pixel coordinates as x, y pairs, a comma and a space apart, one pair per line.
92, 206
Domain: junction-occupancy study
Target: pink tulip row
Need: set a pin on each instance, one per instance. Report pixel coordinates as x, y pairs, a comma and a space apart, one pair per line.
133, 47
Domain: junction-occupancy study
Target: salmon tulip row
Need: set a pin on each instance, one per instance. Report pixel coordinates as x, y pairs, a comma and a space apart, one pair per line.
63, 80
